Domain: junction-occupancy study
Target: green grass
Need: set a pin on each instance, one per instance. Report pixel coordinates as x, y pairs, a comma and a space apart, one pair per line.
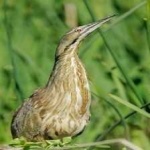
117, 60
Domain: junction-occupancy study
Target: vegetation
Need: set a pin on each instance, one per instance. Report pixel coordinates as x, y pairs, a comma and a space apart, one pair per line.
117, 60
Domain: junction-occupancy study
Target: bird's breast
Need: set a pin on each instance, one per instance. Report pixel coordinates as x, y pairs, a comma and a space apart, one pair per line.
66, 99
69, 81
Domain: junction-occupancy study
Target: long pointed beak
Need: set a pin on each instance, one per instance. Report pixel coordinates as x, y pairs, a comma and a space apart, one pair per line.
89, 28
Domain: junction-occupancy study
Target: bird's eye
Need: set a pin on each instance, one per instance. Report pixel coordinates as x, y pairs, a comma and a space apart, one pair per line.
78, 30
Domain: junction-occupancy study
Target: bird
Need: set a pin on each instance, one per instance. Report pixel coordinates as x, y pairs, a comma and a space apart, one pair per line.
62, 107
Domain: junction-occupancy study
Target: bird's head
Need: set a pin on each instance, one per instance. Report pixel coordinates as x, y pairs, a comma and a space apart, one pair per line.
70, 41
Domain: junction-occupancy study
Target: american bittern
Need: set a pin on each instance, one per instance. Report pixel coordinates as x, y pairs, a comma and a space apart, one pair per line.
61, 108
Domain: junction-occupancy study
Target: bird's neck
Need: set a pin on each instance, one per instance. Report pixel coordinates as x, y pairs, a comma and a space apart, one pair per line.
65, 69
69, 80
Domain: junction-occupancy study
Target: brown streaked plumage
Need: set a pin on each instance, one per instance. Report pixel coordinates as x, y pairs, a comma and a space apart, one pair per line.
61, 108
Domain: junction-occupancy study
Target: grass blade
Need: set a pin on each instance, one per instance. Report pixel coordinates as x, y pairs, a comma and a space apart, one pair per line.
100, 137
148, 24
117, 111
129, 105
18, 87
130, 83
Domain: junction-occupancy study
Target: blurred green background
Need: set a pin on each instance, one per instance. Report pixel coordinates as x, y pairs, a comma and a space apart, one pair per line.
117, 60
